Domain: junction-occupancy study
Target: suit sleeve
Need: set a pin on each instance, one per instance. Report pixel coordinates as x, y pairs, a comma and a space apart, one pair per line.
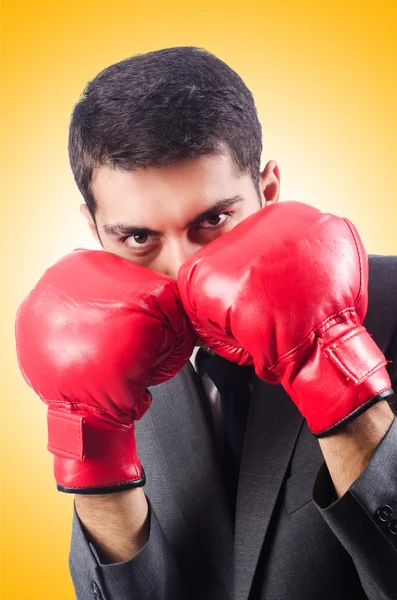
151, 574
364, 519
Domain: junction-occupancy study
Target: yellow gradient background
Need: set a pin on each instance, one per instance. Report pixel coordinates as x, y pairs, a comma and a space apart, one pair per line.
325, 81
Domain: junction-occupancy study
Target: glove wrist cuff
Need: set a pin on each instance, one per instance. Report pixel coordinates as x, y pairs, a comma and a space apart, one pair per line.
353, 415
341, 379
92, 455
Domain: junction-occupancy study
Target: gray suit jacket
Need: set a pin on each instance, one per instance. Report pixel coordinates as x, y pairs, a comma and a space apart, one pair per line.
290, 539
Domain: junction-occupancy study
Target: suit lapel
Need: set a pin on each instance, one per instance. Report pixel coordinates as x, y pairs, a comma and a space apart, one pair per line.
272, 430
180, 420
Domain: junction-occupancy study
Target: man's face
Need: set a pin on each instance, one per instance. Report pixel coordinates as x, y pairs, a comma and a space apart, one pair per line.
158, 217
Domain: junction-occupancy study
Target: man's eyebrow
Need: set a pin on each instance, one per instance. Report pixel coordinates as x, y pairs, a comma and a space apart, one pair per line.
126, 229
129, 229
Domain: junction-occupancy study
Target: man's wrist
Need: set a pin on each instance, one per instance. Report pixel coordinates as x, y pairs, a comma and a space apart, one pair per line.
117, 524
348, 452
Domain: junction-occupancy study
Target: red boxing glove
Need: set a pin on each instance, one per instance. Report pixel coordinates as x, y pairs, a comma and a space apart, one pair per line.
94, 333
286, 289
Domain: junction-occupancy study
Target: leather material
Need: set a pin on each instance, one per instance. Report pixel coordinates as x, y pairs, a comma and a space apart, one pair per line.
286, 290
93, 334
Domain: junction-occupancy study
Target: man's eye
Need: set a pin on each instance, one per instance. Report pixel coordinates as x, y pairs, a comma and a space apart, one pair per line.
136, 240
214, 221
140, 238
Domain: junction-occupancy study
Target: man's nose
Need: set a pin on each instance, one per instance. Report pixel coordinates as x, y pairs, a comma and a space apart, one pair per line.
175, 254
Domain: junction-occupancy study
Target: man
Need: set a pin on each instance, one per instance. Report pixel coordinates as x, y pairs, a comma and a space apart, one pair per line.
241, 499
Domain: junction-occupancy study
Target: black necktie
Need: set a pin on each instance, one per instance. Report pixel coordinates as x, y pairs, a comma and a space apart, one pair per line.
232, 382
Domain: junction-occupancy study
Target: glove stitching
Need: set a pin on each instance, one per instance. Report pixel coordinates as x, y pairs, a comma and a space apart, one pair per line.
360, 292
105, 485
99, 412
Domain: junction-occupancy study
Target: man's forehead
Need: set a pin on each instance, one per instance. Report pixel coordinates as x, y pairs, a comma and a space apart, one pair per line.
181, 190
208, 166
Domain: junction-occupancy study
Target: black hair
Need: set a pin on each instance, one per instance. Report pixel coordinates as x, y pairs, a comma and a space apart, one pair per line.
158, 108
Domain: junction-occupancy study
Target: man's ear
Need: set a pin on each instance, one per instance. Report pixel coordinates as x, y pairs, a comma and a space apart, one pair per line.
86, 213
269, 182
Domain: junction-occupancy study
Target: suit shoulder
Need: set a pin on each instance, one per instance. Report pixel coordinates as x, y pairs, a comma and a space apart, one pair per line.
381, 319
382, 271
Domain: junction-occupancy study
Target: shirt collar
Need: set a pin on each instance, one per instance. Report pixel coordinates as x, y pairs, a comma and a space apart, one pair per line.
193, 358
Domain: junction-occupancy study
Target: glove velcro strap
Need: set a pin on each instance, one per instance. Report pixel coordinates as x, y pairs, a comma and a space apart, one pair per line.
356, 355
65, 434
